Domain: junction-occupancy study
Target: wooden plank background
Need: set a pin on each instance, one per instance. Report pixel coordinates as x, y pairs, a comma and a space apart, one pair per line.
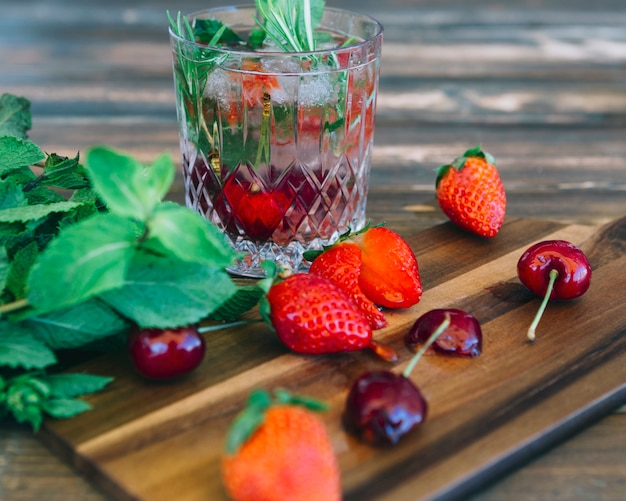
541, 84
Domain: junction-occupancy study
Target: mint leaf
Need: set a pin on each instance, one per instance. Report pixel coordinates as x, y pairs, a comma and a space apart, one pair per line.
165, 292
64, 172
75, 385
189, 236
78, 326
16, 153
15, 117
18, 348
20, 266
28, 396
5, 268
11, 193
245, 298
206, 29
128, 188
85, 259
34, 212
62, 408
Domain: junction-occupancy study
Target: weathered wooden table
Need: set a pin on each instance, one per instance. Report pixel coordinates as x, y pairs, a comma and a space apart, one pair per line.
542, 85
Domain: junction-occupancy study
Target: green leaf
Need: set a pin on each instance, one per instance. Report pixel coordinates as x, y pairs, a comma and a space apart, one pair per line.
5, 268
206, 29
128, 188
248, 420
18, 348
64, 172
245, 298
166, 292
20, 267
77, 326
477, 151
34, 212
189, 236
256, 38
15, 117
75, 385
16, 153
85, 259
11, 194
62, 408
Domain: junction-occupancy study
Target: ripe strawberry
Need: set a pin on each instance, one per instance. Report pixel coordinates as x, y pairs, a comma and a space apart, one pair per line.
313, 315
258, 211
470, 192
341, 263
389, 272
280, 450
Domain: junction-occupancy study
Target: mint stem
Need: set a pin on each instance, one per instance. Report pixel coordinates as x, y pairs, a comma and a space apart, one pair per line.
217, 327
20, 304
263, 151
531, 330
433, 337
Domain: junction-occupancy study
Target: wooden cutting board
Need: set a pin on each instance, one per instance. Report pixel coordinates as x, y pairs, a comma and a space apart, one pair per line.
156, 441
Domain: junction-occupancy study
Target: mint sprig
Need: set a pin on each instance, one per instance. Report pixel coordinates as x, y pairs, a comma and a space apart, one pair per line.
28, 397
81, 265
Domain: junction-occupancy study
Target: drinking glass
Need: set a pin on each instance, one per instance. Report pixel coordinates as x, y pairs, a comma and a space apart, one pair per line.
276, 146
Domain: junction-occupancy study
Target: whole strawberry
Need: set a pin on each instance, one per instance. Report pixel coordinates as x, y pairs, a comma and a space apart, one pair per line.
278, 450
470, 192
341, 263
313, 315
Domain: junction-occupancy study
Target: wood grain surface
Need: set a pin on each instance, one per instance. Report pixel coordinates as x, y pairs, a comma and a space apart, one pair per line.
542, 85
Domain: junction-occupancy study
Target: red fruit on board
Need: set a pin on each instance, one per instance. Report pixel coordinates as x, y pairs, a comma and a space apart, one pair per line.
382, 406
166, 353
470, 192
341, 263
389, 272
312, 315
556, 270
463, 337
278, 450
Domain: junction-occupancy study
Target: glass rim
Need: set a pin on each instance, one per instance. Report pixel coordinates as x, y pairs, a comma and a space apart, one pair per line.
276, 53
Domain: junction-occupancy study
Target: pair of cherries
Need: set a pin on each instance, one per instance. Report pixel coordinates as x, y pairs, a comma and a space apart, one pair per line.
381, 406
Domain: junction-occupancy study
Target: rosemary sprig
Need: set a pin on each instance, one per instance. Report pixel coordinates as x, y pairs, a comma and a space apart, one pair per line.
291, 24
192, 71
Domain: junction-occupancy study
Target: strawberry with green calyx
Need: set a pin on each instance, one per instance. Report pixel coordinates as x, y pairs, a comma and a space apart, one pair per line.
388, 274
312, 315
470, 192
278, 449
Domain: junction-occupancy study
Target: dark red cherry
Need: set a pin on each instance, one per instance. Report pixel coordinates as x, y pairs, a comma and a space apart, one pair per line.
166, 353
382, 407
569, 261
556, 270
463, 337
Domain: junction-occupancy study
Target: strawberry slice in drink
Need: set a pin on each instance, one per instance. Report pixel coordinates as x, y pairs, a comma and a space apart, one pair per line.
257, 211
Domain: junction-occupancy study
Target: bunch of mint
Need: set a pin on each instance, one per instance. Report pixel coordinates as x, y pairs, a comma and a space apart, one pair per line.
88, 250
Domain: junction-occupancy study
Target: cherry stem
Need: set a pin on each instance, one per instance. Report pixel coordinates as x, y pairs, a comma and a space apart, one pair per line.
433, 337
217, 327
531, 330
